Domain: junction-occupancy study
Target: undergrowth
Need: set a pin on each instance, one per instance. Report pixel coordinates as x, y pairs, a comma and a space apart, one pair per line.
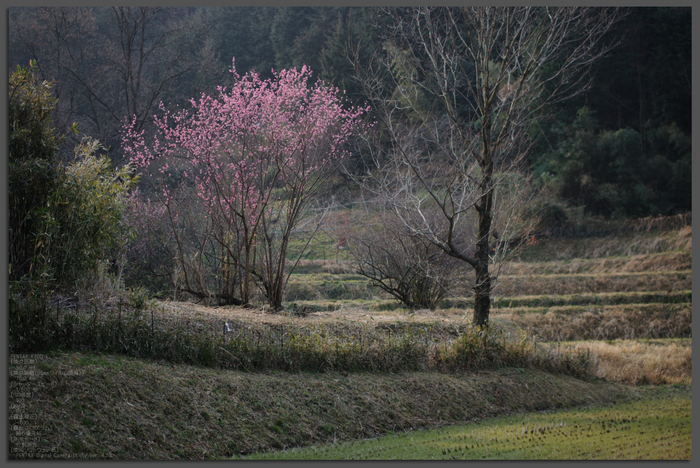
284, 347
642, 362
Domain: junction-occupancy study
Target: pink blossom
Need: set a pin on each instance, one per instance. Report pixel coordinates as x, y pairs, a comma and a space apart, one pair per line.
248, 143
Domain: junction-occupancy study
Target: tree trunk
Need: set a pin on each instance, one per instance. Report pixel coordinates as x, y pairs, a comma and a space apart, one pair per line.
278, 279
482, 295
277, 293
482, 288
247, 268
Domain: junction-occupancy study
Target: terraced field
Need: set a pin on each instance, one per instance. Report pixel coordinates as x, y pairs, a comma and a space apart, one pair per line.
626, 301
625, 287
637, 269
612, 288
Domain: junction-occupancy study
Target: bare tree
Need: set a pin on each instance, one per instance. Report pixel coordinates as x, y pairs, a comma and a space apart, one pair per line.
465, 87
114, 64
413, 270
57, 38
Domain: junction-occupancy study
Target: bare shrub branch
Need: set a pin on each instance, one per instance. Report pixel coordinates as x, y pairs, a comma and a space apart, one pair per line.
456, 98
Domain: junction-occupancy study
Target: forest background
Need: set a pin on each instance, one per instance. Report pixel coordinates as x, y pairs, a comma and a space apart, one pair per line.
109, 64
622, 149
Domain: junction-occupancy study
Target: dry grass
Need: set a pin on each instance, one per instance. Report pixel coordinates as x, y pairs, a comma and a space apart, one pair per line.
666, 261
347, 312
604, 323
613, 246
601, 283
642, 362
503, 304
286, 344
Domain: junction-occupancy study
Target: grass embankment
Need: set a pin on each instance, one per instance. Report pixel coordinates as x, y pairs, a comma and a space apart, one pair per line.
105, 406
117, 407
658, 426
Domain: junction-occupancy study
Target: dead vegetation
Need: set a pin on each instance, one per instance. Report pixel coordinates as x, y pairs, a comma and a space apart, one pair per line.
563, 249
605, 323
640, 362
600, 283
654, 262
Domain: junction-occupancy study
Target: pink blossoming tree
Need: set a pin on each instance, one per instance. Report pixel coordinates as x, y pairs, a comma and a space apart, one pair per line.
252, 158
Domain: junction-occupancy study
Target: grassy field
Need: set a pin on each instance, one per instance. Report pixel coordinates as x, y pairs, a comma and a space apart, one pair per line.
95, 406
657, 426
624, 302
620, 287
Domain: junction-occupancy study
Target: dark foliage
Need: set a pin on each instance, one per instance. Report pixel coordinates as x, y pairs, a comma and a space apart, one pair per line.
34, 168
610, 172
629, 153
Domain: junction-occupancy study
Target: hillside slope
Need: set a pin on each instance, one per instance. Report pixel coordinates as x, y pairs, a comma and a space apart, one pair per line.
90, 406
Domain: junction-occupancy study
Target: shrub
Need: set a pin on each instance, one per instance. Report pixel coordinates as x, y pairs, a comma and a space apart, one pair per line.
90, 205
546, 215
65, 222
620, 173
34, 171
150, 257
415, 272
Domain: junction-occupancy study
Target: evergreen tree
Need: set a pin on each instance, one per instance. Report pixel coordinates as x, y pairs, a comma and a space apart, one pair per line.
635, 159
244, 33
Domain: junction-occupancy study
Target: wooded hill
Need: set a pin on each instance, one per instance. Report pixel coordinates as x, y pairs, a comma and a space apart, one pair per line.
623, 148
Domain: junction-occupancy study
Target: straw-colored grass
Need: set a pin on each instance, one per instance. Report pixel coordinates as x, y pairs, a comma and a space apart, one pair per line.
597, 283
612, 246
594, 322
665, 261
642, 361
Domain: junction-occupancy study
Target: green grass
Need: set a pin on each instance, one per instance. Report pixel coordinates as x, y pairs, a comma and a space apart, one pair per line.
331, 289
324, 277
114, 407
657, 427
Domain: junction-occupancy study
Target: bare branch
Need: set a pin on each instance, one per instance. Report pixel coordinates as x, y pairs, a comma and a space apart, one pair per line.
460, 88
